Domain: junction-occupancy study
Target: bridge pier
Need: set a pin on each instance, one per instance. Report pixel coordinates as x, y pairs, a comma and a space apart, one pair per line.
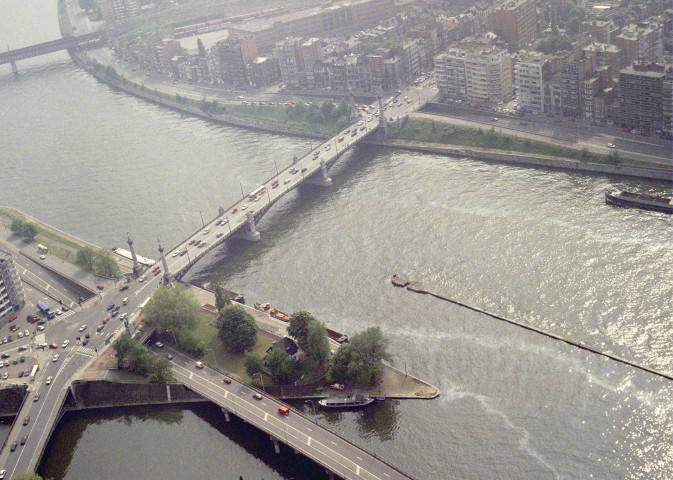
276, 445
15, 69
227, 418
330, 475
321, 179
249, 232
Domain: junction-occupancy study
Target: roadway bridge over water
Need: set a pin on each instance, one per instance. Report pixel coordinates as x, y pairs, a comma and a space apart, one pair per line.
66, 43
336, 454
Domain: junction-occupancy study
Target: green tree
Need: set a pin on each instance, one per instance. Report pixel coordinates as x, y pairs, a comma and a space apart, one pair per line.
300, 108
343, 109
327, 110
317, 343
221, 299
237, 329
361, 361
298, 327
613, 157
29, 231
253, 364
161, 370
27, 476
17, 226
313, 114
105, 265
171, 309
202, 49
281, 366
124, 346
86, 258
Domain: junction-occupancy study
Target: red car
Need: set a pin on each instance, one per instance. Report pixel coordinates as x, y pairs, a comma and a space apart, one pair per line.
64, 308
337, 386
226, 380
157, 272
53, 345
26, 420
100, 287
106, 319
234, 210
12, 318
155, 269
191, 242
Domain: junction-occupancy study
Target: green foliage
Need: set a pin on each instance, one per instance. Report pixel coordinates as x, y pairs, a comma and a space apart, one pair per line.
317, 343
171, 309
343, 109
327, 110
421, 131
23, 228
221, 299
202, 49
136, 358
298, 327
105, 265
300, 109
237, 329
189, 343
253, 364
613, 157
361, 361
27, 476
281, 366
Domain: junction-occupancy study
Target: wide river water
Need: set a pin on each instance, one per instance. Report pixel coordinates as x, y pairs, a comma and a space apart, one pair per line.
537, 246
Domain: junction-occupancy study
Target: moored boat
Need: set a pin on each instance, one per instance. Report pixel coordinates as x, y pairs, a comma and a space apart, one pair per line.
352, 401
638, 200
265, 307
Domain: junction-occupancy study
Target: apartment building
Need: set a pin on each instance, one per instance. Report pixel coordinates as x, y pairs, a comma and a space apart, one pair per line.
530, 72
290, 60
574, 69
641, 96
12, 296
642, 42
602, 54
450, 74
515, 21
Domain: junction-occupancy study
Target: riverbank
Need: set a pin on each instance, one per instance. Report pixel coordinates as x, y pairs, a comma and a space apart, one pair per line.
525, 159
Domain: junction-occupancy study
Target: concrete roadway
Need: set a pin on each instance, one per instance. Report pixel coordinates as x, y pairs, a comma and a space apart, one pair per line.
73, 359
298, 432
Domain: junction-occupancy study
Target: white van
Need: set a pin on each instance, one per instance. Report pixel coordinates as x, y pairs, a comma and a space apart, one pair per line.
125, 301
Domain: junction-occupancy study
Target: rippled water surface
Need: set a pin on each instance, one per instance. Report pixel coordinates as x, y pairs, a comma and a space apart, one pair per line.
536, 246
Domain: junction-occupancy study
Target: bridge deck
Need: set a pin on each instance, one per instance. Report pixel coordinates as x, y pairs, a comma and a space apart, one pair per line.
48, 47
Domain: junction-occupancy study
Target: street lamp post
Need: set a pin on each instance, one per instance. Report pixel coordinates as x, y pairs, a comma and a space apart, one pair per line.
202, 222
189, 261
274, 162
262, 380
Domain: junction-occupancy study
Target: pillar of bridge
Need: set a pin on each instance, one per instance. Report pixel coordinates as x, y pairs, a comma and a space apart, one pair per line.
330, 475
382, 120
15, 70
164, 263
249, 231
276, 445
320, 178
136, 266
227, 418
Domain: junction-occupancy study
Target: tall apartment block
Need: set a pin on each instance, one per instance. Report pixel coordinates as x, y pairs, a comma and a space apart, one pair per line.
12, 296
515, 21
641, 96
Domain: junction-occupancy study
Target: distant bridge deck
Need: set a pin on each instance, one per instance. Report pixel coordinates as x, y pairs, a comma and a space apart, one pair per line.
239, 219
52, 46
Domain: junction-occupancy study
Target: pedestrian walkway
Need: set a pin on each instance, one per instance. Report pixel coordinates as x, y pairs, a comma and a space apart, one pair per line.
91, 352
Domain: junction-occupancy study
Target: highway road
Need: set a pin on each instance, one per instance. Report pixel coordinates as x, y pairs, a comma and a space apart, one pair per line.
313, 440
72, 360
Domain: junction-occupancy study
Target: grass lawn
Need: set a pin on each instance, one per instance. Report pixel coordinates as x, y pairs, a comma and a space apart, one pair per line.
439, 132
229, 362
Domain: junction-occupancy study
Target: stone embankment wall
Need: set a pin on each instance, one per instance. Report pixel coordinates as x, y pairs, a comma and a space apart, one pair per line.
541, 161
103, 393
11, 399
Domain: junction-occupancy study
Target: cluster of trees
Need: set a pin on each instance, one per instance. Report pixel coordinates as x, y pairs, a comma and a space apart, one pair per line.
236, 329
100, 262
23, 228
324, 113
173, 311
361, 360
137, 358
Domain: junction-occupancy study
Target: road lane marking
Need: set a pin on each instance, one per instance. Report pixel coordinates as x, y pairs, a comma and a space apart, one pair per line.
357, 470
266, 417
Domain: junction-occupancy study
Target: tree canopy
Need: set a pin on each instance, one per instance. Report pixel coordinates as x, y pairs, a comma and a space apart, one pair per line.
317, 344
237, 329
99, 262
22, 228
253, 364
171, 309
221, 298
136, 358
281, 366
361, 360
27, 476
298, 327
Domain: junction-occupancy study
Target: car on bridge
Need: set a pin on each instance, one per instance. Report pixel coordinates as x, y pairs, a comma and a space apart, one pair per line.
26, 420
48, 380
14, 445
226, 380
234, 210
219, 234
245, 205
257, 396
191, 242
24, 439
205, 232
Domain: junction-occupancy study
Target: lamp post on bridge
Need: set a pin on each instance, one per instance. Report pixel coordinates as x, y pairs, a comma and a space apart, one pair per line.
202, 222
214, 357
274, 162
261, 379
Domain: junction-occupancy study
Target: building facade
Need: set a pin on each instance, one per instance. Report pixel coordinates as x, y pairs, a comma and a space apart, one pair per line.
642, 42
516, 21
12, 296
641, 97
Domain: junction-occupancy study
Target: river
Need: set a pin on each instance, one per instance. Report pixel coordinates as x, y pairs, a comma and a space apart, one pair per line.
537, 246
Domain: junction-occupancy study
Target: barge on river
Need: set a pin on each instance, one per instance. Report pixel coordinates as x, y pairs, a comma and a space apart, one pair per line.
638, 200
352, 401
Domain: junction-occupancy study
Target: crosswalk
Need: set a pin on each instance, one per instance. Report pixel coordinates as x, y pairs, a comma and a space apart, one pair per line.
86, 351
